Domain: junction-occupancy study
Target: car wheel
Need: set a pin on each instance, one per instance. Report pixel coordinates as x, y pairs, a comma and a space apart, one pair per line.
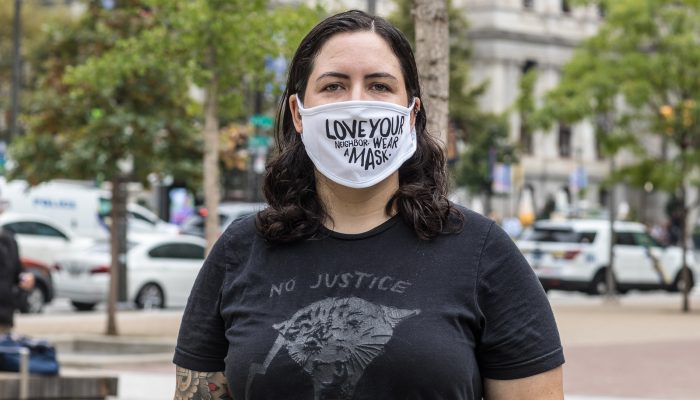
679, 284
35, 300
82, 306
150, 296
599, 285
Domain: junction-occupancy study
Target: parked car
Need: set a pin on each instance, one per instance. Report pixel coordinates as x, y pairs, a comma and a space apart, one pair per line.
228, 212
574, 255
160, 272
40, 241
142, 220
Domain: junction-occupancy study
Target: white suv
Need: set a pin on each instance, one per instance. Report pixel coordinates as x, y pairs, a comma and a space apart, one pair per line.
573, 255
40, 241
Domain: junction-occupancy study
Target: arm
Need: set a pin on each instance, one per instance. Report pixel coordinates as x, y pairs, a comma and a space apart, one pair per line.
193, 385
545, 386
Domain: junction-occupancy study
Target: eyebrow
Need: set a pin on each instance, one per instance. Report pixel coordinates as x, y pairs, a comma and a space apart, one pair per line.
340, 75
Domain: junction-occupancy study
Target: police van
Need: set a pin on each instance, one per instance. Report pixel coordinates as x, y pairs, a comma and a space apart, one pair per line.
574, 255
77, 205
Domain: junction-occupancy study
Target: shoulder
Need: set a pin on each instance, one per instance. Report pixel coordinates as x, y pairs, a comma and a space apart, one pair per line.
491, 240
238, 239
243, 227
473, 221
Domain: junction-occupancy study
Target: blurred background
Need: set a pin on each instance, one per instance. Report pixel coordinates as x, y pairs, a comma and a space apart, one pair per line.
132, 132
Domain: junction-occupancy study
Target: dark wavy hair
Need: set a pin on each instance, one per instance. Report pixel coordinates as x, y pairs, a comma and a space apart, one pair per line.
295, 211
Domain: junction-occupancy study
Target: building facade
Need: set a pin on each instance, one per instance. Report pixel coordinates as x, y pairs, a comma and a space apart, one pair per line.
564, 165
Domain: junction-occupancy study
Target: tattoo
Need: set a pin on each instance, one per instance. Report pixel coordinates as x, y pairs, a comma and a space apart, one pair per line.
193, 385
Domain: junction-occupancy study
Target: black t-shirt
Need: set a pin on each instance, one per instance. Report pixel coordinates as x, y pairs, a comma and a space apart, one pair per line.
378, 315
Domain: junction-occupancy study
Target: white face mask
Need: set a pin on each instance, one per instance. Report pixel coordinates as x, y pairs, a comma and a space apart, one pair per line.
358, 143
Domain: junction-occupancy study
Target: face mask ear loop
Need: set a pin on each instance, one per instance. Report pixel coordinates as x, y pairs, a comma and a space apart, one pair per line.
414, 111
300, 107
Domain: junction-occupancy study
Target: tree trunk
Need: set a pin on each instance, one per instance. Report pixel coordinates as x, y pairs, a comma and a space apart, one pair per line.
117, 238
685, 272
211, 154
432, 58
612, 211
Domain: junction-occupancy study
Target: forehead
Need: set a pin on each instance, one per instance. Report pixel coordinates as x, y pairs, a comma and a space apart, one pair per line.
365, 52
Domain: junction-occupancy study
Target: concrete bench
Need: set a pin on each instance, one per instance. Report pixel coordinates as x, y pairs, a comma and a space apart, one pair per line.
58, 387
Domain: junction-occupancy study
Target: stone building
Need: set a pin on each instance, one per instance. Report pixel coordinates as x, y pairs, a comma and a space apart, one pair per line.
510, 37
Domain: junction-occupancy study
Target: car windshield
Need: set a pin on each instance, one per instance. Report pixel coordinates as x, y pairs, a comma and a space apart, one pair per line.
558, 235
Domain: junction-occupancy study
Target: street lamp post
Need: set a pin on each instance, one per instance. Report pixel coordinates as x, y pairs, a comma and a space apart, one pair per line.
612, 210
16, 68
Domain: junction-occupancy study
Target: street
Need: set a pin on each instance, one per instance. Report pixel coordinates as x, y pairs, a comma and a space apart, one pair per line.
640, 346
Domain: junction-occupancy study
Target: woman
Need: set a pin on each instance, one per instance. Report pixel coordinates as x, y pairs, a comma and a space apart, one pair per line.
361, 281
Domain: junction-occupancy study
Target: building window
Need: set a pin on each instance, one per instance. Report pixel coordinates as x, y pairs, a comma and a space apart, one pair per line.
602, 11
564, 141
527, 66
565, 7
528, 4
603, 197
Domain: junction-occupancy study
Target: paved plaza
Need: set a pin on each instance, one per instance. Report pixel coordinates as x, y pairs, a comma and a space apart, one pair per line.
640, 346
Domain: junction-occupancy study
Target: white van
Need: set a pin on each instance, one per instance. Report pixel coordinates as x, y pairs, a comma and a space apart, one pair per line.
76, 205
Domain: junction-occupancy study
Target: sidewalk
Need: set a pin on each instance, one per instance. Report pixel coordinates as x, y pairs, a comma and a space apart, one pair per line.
638, 348
641, 347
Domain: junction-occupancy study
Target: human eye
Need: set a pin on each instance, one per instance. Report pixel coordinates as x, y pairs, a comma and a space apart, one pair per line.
332, 87
380, 87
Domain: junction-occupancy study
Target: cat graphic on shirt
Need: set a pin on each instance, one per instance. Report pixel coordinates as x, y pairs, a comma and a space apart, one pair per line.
334, 340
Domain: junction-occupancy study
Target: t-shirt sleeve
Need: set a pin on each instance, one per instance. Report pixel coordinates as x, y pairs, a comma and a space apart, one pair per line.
518, 336
201, 343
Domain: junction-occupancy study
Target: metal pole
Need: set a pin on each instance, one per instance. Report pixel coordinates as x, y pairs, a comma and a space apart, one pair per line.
609, 276
16, 69
23, 373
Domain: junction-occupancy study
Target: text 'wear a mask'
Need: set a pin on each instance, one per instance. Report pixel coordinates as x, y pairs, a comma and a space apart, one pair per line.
358, 143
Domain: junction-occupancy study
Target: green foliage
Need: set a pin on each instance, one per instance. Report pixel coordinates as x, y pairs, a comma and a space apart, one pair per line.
81, 128
638, 75
198, 40
116, 84
485, 145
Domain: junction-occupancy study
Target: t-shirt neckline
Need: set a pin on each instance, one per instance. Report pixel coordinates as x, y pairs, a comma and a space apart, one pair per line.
372, 232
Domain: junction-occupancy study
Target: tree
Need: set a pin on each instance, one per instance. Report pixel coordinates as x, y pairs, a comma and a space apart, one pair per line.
78, 128
637, 79
487, 145
216, 45
471, 125
432, 59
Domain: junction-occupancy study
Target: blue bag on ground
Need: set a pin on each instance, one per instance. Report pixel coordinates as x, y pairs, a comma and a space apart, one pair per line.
42, 355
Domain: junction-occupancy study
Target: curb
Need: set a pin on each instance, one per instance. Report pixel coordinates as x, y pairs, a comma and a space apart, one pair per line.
97, 351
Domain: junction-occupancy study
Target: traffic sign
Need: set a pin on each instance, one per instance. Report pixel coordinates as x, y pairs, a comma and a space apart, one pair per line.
262, 120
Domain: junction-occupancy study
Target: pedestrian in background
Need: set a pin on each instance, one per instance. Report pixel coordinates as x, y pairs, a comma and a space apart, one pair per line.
14, 284
361, 280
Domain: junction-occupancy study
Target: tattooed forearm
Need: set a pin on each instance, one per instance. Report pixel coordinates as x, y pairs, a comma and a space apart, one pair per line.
193, 385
